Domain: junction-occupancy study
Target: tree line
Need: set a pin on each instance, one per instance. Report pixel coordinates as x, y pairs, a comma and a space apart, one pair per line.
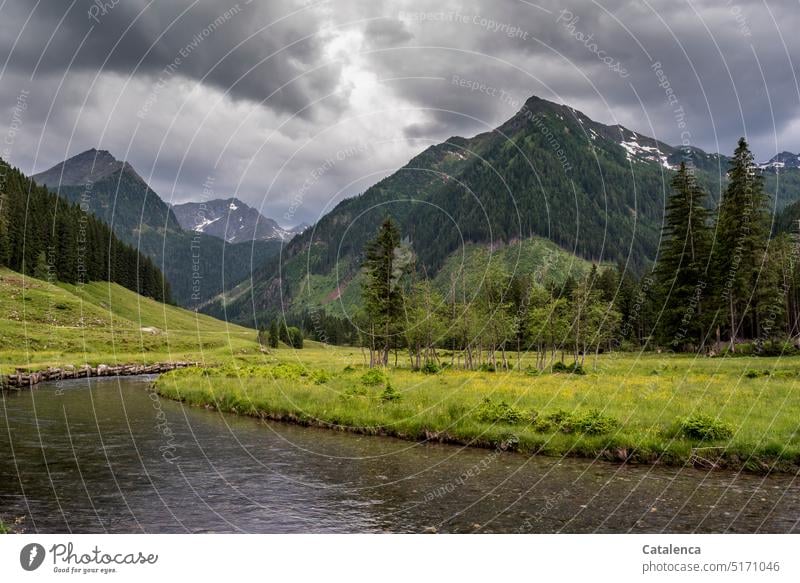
44, 236
722, 285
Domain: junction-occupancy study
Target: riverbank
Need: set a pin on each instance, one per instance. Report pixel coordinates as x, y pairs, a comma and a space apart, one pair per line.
26, 379
672, 410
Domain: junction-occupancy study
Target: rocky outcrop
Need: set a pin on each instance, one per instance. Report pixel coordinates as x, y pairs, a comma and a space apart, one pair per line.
23, 379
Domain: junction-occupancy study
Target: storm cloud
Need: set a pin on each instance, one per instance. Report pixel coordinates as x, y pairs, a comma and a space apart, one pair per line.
261, 95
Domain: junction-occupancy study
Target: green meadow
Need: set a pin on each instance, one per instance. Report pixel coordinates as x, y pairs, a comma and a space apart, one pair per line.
741, 413
44, 324
737, 413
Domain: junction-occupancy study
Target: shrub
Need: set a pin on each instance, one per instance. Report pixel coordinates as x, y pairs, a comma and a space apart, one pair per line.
390, 394
288, 370
490, 412
705, 428
593, 422
754, 374
573, 368
486, 367
373, 377
320, 377
354, 391
430, 367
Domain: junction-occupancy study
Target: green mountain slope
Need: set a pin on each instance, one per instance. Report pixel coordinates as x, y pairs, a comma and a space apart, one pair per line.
44, 235
197, 266
597, 191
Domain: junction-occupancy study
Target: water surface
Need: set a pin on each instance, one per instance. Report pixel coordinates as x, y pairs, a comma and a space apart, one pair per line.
107, 455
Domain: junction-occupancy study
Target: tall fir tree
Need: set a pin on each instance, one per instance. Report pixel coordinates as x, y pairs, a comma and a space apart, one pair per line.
740, 250
382, 292
683, 263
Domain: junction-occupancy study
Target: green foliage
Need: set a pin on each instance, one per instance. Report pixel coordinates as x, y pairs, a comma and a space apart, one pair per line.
430, 367
373, 377
390, 394
59, 242
704, 427
274, 336
592, 422
499, 412
571, 368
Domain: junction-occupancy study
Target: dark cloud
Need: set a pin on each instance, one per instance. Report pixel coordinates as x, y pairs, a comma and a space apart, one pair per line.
260, 50
265, 92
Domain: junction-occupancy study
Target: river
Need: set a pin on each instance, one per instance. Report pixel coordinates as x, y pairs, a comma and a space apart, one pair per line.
107, 455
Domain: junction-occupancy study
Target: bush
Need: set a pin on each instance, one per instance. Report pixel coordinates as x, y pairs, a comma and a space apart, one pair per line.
486, 367
390, 394
320, 377
354, 391
754, 374
288, 370
593, 422
573, 368
705, 428
373, 377
430, 367
490, 412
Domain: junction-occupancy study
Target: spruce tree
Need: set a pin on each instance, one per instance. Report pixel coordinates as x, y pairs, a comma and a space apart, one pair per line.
683, 264
385, 265
741, 246
274, 336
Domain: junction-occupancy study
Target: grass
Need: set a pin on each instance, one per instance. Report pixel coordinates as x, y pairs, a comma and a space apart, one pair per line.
649, 408
44, 324
667, 409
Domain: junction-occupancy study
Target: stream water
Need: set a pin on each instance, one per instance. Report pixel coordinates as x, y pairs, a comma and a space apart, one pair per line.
107, 455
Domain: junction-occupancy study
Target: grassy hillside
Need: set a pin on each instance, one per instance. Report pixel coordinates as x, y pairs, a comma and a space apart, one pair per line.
43, 324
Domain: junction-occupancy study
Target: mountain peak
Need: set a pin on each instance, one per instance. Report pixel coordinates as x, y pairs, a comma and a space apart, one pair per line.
92, 165
783, 160
230, 219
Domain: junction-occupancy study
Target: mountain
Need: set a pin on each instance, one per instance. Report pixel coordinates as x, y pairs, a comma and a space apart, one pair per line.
197, 266
232, 220
781, 161
47, 237
113, 190
550, 172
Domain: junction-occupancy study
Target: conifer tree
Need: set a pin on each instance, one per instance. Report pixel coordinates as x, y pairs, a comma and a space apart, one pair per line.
683, 264
382, 292
741, 246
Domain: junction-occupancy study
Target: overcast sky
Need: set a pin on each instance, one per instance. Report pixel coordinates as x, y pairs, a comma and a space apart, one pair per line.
292, 105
